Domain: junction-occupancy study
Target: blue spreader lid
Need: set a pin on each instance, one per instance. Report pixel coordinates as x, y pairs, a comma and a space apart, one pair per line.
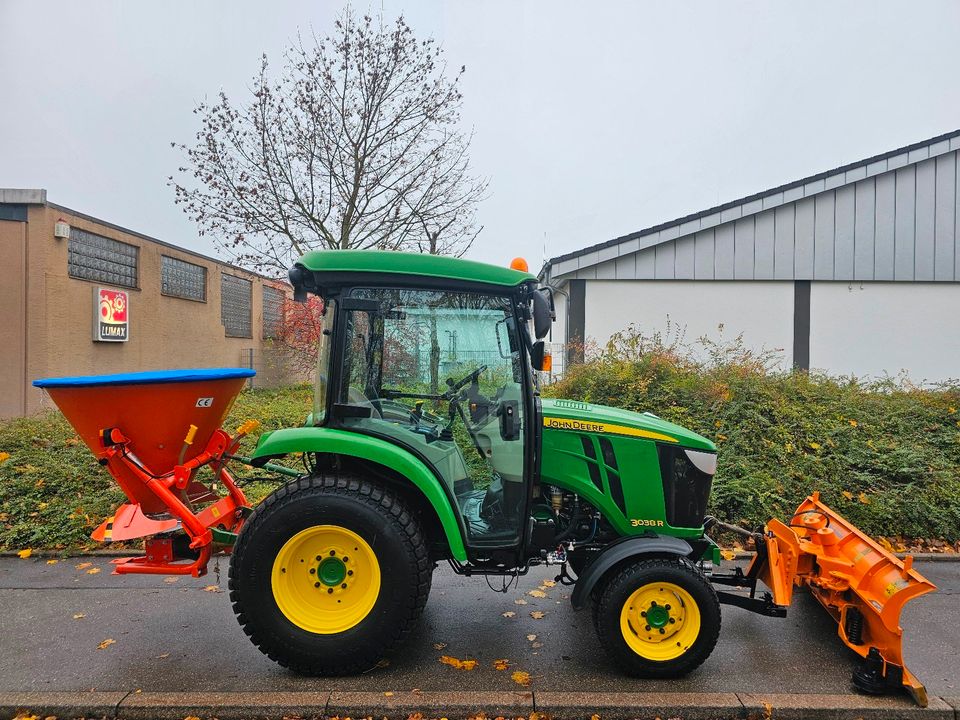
142, 378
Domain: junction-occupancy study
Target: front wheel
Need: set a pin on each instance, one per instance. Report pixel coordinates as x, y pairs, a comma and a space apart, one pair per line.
329, 574
658, 618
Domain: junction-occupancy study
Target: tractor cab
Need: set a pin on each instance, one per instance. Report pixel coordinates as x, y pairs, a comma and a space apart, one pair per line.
436, 356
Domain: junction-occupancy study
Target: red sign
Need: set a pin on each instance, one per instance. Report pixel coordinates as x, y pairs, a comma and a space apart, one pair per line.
111, 309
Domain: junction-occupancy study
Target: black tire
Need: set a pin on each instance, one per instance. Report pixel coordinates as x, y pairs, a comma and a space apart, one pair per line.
609, 604
364, 508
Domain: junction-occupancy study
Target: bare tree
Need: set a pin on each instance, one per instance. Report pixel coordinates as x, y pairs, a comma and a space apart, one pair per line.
356, 145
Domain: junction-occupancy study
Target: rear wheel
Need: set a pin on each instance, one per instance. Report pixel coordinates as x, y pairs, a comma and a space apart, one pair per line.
329, 574
658, 618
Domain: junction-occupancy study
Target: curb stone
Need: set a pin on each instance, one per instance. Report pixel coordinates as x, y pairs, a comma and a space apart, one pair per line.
463, 705
431, 704
842, 707
90, 704
689, 706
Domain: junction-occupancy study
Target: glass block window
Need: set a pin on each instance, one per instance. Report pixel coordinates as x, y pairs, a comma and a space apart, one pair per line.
236, 305
181, 279
272, 311
97, 258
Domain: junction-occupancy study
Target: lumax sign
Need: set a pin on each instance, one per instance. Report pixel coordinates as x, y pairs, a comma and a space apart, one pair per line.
110, 315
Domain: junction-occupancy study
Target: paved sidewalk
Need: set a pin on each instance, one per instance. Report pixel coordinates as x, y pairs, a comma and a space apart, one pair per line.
182, 639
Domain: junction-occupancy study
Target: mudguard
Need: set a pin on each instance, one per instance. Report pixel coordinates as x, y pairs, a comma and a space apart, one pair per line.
616, 553
340, 442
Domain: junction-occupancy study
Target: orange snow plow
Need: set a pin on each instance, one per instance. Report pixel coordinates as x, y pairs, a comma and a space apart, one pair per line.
861, 585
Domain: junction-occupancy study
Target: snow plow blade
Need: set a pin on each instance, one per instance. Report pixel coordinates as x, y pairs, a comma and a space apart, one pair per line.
861, 585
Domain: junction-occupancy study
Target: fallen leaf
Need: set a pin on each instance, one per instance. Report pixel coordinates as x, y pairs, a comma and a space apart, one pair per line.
509, 614
83, 566
4, 456
93, 571
79, 616
847, 494
531, 638
170, 580
26, 716
862, 497
727, 554
595, 717
24, 554
548, 583
767, 710
54, 561
164, 656
536, 645
212, 588
853, 423
537, 593
519, 601
106, 643
458, 664
501, 664
191, 717
439, 646
886, 544
388, 693
537, 614
520, 677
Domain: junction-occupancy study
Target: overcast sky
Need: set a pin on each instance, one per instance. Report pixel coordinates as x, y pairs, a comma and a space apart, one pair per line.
591, 119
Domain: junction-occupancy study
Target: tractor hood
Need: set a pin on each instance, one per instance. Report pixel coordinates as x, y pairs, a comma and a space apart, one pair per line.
587, 417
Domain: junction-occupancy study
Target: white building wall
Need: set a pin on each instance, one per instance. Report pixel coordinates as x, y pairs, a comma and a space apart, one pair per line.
558, 332
873, 328
761, 310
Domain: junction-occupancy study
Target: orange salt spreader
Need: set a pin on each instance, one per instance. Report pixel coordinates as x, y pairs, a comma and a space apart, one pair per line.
153, 431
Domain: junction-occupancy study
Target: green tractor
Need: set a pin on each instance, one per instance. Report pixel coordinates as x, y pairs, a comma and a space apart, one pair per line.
429, 441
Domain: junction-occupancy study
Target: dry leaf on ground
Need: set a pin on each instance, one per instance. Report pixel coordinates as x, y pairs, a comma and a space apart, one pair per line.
24, 554
52, 561
519, 601
548, 583
537, 593
164, 656
170, 580
537, 614
439, 646
727, 554
79, 616
212, 588
106, 643
536, 645
531, 637
388, 693
458, 664
83, 565
520, 677
93, 571
501, 664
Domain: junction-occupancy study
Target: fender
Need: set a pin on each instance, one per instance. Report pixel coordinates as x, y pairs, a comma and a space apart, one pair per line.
340, 442
617, 552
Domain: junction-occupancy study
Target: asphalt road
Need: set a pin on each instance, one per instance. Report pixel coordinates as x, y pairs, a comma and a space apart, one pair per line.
172, 636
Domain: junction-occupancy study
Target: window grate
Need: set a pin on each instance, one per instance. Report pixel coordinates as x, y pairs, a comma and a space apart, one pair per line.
181, 279
100, 259
236, 306
272, 311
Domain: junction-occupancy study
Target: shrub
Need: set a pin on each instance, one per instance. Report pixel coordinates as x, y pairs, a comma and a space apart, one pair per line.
885, 453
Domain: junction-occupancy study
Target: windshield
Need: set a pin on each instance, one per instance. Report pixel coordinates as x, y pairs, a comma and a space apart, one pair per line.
323, 363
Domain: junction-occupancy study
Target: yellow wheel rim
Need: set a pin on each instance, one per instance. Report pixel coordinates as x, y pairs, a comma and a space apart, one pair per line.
660, 621
326, 579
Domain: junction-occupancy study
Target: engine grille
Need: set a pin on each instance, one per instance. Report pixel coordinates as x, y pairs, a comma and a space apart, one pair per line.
686, 489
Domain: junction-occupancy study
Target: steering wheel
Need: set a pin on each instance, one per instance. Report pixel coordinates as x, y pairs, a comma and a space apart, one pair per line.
453, 387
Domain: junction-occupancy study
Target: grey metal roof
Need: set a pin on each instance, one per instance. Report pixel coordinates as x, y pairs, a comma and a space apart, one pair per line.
894, 216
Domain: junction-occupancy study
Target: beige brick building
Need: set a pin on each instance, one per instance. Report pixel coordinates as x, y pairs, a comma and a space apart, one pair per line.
175, 308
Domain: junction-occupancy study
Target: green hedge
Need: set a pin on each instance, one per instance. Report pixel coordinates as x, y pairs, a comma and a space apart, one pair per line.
884, 454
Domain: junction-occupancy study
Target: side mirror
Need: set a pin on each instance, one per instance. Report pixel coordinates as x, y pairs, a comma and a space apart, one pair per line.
543, 312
